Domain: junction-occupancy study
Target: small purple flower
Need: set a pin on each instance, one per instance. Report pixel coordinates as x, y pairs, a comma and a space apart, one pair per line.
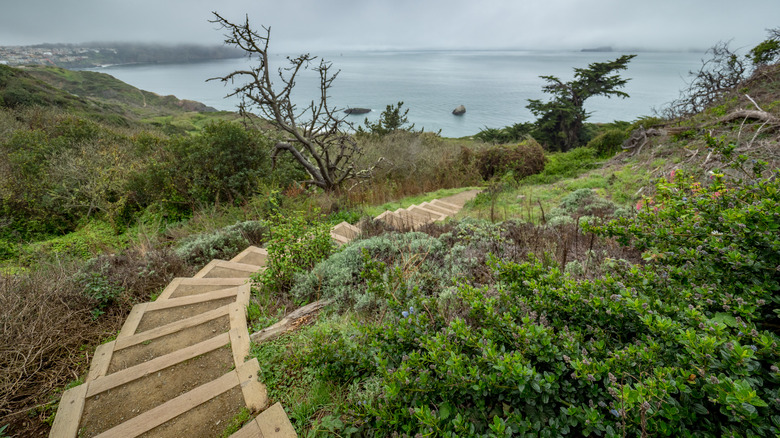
411, 309
404, 313
740, 334
614, 412
754, 348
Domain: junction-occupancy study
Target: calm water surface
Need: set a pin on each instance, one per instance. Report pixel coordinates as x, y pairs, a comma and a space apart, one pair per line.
494, 86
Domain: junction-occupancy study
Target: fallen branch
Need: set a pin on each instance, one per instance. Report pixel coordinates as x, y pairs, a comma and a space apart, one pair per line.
290, 322
749, 114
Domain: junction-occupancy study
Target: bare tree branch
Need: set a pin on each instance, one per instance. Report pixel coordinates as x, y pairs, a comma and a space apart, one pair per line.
314, 135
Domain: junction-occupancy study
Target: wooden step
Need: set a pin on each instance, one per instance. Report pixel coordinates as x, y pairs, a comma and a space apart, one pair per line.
147, 316
252, 256
431, 215
438, 208
454, 208
394, 220
271, 423
184, 286
339, 239
347, 230
130, 351
145, 383
418, 217
409, 220
99, 397
226, 269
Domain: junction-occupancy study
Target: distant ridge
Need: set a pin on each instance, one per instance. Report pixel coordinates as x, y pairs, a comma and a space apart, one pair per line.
599, 49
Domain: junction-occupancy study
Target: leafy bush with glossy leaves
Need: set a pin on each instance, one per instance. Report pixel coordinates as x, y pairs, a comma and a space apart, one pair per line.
685, 344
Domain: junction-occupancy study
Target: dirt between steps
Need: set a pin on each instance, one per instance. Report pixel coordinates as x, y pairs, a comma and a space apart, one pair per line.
115, 406
157, 318
208, 420
157, 347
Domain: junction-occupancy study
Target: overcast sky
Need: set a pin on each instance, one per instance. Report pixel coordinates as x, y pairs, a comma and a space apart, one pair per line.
322, 25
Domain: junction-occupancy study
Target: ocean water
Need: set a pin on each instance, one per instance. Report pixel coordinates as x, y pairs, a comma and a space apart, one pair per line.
494, 86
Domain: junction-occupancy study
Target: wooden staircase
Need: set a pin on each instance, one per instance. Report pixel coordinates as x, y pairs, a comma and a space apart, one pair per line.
409, 218
178, 368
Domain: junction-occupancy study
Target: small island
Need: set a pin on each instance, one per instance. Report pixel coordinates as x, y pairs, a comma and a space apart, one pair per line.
357, 111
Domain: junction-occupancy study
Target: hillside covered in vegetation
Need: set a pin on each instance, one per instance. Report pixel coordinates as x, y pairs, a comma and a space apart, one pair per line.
625, 287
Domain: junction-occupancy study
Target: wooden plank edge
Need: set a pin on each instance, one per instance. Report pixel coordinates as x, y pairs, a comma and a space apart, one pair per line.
214, 284
255, 393
245, 267
101, 360
170, 328
250, 249
239, 345
68, 416
274, 423
127, 375
173, 408
172, 286
244, 294
132, 321
194, 299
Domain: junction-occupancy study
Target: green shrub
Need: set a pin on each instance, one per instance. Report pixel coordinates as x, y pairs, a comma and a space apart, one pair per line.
96, 285
342, 277
224, 243
609, 142
524, 159
296, 245
507, 134
582, 204
224, 163
684, 344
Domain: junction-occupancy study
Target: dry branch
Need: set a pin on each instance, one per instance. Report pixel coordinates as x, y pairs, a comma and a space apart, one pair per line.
290, 322
749, 114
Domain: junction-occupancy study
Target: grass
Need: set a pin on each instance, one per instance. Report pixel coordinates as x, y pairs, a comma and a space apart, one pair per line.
532, 198
293, 382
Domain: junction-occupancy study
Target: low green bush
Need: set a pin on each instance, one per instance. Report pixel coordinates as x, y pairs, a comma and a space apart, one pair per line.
296, 245
523, 159
224, 243
608, 142
684, 344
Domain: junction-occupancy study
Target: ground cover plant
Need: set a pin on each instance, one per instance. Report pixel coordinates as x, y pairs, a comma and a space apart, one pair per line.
474, 332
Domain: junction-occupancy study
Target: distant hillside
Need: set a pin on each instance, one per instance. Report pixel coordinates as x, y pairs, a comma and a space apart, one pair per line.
100, 97
97, 54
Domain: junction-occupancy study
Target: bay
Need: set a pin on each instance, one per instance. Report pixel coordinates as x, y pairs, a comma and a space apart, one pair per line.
494, 86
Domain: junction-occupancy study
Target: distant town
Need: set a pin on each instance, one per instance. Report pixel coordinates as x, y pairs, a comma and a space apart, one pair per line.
97, 55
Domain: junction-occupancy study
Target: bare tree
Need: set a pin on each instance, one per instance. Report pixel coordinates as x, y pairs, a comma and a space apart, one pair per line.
315, 134
723, 71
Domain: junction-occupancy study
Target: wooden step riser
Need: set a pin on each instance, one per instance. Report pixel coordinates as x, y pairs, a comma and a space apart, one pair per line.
244, 377
271, 423
252, 256
239, 294
182, 287
226, 269
109, 355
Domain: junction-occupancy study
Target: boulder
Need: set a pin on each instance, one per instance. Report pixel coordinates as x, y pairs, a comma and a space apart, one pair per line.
459, 111
357, 110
